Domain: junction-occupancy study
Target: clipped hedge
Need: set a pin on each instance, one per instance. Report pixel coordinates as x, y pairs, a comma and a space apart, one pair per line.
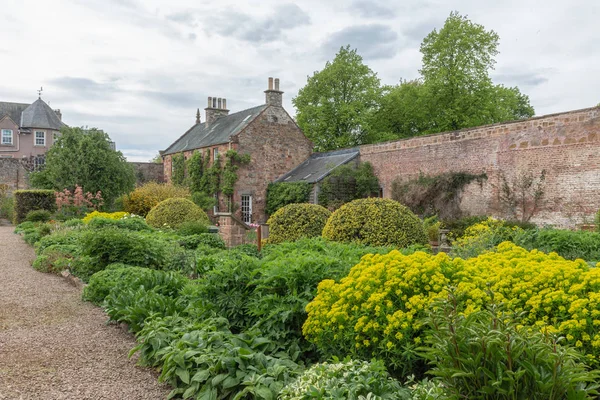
31, 200
296, 221
375, 222
145, 197
172, 213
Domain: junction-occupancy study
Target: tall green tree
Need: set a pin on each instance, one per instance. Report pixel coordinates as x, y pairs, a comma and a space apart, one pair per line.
334, 107
85, 158
457, 61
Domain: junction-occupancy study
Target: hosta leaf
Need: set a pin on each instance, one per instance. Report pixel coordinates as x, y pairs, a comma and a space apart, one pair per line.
184, 375
201, 376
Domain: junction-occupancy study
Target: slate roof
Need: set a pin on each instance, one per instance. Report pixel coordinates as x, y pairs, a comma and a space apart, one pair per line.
201, 135
13, 110
40, 115
319, 165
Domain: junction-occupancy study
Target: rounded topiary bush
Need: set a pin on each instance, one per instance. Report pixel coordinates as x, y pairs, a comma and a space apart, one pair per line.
375, 222
296, 221
145, 197
174, 212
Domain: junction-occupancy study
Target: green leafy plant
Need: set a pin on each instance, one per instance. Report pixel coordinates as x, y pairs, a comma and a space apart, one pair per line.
346, 183
190, 228
568, 244
178, 165
30, 200
376, 222
38, 216
55, 258
209, 239
283, 193
171, 213
348, 379
296, 221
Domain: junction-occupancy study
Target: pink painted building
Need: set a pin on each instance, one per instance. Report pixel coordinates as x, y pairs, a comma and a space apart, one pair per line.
28, 130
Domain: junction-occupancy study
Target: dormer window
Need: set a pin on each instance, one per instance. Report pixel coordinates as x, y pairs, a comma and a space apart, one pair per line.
7, 136
40, 138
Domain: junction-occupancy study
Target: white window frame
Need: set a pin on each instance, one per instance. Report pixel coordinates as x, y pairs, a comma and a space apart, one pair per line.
5, 137
215, 153
35, 139
216, 206
246, 208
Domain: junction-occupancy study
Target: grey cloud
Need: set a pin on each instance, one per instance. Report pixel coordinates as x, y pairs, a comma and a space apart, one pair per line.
373, 9
184, 17
173, 99
86, 88
255, 29
520, 79
372, 41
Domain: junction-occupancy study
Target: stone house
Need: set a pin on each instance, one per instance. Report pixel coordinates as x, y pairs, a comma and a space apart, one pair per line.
28, 130
267, 133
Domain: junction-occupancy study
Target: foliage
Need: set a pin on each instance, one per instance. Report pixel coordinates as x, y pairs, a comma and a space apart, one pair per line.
195, 168
432, 227
190, 228
55, 258
38, 216
460, 94
203, 200
97, 214
283, 193
376, 222
101, 283
435, 195
129, 222
84, 157
296, 221
30, 200
65, 236
77, 204
486, 355
333, 107
145, 197
233, 161
209, 364
457, 227
348, 379
178, 165
377, 310
521, 197
203, 239
111, 245
347, 183
483, 237
568, 244
7, 207
171, 213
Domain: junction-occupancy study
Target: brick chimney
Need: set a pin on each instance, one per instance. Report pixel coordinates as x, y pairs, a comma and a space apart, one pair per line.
217, 108
58, 114
274, 96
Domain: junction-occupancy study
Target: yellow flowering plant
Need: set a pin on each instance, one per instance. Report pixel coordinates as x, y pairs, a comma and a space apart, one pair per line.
377, 310
97, 214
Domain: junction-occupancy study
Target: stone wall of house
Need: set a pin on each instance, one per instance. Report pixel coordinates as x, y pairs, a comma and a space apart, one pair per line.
276, 145
13, 174
148, 172
566, 146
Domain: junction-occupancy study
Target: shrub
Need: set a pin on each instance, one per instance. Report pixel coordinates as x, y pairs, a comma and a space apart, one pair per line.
376, 222
59, 237
97, 214
145, 197
486, 355
132, 223
296, 221
457, 227
110, 245
101, 283
247, 249
483, 236
568, 244
38, 216
377, 310
7, 207
171, 213
208, 239
190, 228
30, 200
77, 203
72, 223
283, 193
55, 258
24, 226
349, 379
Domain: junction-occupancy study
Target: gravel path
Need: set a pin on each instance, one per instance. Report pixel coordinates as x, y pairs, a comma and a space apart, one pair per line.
55, 346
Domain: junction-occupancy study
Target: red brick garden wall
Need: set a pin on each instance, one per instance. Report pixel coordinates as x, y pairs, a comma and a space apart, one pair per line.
566, 146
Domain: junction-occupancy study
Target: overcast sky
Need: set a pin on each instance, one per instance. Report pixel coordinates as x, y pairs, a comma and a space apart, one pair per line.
140, 69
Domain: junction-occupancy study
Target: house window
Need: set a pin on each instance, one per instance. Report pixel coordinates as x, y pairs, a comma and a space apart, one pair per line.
247, 208
216, 206
39, 162
40, 138
215, 154
7, 136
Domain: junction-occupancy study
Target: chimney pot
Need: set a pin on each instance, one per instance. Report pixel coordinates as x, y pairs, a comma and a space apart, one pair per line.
270, 83
220, 103
214, 104
225, 104
276, 83
209, 101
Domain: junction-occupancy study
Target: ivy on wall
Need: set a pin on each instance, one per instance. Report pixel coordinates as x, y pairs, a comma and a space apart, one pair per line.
435, 195
178, 169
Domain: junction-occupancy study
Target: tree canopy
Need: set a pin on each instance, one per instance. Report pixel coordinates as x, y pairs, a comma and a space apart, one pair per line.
333, 107
343, 104
85, 158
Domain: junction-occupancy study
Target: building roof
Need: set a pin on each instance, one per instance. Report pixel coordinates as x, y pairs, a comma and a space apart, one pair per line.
319, 165
13, 110
201, 135
40, 115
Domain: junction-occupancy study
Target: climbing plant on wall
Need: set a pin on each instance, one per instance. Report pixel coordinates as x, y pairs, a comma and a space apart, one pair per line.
281, 194
178, 169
